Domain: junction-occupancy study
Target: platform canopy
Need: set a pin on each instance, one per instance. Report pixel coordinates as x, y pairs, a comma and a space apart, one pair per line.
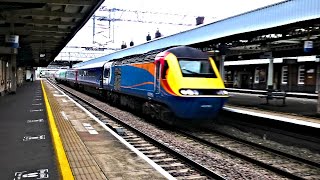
43, 27
279, 30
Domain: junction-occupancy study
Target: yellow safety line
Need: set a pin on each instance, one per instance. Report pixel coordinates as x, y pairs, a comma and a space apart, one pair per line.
64, 167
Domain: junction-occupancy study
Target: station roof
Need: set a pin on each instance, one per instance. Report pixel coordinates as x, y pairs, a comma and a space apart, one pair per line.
278, 27
44, 26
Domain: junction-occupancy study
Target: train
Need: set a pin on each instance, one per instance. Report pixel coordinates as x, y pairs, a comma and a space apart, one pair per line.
179, 82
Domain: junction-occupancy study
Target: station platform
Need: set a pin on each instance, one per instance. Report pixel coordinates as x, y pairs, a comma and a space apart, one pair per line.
47, 135
26, 149
300, 109
62, 141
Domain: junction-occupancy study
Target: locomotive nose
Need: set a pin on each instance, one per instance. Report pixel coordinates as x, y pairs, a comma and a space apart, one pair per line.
199, 108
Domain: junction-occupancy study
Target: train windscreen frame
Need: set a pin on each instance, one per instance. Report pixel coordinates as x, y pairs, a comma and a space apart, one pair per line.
196, 68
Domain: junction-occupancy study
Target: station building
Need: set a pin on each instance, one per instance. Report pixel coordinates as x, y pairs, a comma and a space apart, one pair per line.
297, 74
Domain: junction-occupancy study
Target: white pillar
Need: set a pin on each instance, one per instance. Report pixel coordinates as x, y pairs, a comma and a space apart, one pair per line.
13, 73
94, 28
317, 84
270, 74
318, 104
221, 68
317, 76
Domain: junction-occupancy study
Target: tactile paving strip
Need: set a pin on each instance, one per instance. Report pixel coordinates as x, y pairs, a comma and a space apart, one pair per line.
82, 164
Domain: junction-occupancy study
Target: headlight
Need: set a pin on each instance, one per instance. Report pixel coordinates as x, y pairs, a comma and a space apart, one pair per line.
189, 92
222, 92
183, 92
195, 92
226, 92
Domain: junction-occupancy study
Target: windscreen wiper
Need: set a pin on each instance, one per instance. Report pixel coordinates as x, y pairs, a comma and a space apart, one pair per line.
189, 71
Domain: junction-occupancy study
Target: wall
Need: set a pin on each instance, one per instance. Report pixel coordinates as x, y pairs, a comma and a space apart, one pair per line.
1, 77
4, 74
235, 75
28, 75
20, 76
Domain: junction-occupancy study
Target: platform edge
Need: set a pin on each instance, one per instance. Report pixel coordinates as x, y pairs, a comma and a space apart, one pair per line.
63, 164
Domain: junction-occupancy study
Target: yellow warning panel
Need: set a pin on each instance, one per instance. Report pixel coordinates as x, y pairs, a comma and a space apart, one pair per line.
63, 164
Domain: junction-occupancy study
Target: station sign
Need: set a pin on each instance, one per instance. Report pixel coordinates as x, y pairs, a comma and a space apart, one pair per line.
308, 46
290, 61
266, 55
93, 49
12, 41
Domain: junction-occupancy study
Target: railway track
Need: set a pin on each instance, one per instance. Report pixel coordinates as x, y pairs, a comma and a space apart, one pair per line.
181, 166
279, 162
175, 163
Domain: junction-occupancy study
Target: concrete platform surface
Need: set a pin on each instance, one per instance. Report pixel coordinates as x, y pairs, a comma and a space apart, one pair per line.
26, 150
92, 151
296, 110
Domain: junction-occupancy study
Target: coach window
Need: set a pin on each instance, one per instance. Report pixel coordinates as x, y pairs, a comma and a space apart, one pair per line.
284, 75
256, 75
165, 70
106, 73
262, 75
301, 74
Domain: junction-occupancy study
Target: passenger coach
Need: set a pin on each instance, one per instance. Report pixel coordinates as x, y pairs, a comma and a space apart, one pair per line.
181, 82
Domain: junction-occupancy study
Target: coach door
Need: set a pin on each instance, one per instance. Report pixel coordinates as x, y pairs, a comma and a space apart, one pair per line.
157, 78
106, 74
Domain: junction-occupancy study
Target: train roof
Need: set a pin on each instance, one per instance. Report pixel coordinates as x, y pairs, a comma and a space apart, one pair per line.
280, 14
62, 70
188, 52
91, 65
139, 49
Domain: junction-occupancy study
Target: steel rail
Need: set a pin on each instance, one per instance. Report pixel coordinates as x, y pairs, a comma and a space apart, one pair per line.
187, 160
278, 152
244, 157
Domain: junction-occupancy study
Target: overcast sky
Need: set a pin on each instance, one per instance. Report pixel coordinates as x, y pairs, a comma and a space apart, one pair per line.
126, 31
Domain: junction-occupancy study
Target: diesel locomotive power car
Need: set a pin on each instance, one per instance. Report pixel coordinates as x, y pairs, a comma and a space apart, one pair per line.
180, 81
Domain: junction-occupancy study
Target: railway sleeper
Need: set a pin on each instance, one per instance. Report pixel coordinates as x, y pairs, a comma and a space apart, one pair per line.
141, 145
173, 165
150, 152
126, 137
148, 149
198, 177
180, 171
157, 155
166, 160
187, 174
136, 141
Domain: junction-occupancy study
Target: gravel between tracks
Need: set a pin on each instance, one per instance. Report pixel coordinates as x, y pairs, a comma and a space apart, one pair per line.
225, 165
300, 152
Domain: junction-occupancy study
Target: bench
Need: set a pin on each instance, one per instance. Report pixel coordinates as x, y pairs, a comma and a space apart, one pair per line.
274, 95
